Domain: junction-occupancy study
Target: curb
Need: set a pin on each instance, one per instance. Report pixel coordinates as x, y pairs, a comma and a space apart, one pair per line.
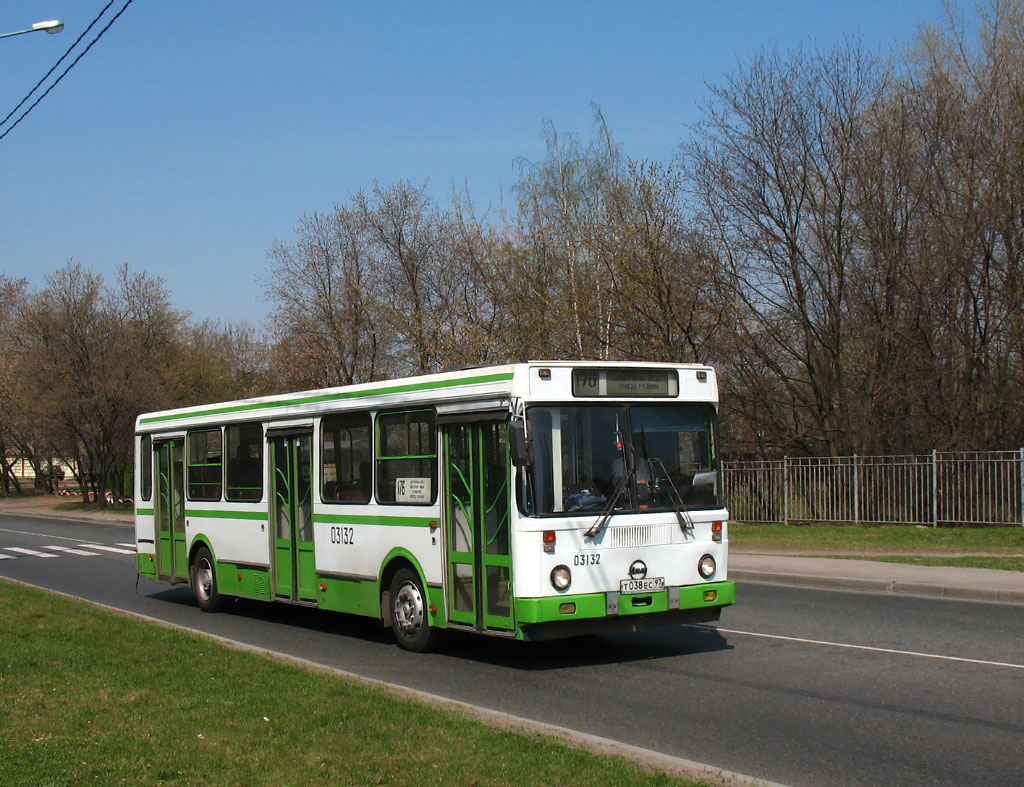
900, 587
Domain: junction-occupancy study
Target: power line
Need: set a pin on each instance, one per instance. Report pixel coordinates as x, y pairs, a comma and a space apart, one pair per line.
66, 70
54, 68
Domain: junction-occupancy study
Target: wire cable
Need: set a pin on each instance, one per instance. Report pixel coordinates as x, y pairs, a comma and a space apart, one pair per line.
54, 68
66, 70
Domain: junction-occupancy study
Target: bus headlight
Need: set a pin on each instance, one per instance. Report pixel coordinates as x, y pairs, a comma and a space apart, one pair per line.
707, 566
561, 577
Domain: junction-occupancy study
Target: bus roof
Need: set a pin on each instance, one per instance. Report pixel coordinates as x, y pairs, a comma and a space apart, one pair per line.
464, 384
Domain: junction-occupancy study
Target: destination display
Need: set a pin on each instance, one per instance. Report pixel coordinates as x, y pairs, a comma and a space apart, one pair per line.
625, 382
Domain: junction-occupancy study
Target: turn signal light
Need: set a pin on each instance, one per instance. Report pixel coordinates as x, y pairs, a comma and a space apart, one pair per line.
567, 609
432, 609
239, 577
549, 540
716, 531
323, 588
710, 595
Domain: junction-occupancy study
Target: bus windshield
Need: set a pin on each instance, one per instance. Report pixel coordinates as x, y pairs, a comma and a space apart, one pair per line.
666, 454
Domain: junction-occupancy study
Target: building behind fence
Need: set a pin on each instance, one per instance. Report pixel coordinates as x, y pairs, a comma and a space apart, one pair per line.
940, 488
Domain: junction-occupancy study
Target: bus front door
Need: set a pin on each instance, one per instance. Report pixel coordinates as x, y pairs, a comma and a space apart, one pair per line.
291, 512
476, 508
171, 557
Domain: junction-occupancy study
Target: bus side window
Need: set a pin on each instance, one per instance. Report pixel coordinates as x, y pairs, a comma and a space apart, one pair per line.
345, 446
146, 466
407, 457
204, 461
244, 462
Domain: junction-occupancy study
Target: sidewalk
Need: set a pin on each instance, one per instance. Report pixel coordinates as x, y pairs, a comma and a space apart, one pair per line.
966, 584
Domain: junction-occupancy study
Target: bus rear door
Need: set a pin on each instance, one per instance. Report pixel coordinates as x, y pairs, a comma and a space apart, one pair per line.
291, 515
171, 556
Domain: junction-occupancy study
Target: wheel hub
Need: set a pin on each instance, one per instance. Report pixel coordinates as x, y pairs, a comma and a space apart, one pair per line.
409, 609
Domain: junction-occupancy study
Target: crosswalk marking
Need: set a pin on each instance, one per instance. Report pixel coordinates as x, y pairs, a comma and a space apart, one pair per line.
83, 550
105, 548
71, 551
30, 552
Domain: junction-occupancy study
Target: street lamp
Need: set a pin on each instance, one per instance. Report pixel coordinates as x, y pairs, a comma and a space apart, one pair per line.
52, 26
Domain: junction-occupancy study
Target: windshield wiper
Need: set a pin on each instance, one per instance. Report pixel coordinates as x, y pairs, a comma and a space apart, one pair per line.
681, 511
609, 507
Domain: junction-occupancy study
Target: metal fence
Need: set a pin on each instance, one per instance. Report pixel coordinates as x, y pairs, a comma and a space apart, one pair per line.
941, 488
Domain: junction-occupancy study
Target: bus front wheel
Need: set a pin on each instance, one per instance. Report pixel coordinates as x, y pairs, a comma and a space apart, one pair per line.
409, 613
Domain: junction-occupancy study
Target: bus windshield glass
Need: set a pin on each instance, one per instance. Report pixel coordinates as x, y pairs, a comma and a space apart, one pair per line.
664, 456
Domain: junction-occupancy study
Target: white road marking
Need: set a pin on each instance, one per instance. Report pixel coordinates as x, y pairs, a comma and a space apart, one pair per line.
7, 557
30, 552
71, 551
105, 548
849, 646
37, 535
129, 546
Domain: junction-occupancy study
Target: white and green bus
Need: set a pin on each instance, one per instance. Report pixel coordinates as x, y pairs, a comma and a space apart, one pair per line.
530, 501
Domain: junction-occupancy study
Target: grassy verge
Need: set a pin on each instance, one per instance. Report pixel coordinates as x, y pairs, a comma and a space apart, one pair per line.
90, 696
989, 547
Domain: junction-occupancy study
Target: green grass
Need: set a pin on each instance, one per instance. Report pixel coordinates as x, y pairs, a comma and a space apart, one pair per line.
91, 696
895, 539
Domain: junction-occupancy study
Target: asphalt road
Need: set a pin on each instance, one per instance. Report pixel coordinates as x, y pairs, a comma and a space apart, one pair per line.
794, 685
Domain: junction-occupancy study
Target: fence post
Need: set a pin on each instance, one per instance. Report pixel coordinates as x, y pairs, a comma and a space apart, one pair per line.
785, 490
856, 494
1020, 469
935, 489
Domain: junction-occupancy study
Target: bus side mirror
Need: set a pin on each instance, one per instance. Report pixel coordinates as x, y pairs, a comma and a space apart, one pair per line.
519, 446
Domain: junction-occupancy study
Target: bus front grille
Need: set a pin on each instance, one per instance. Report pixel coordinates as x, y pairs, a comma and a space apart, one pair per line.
639, 535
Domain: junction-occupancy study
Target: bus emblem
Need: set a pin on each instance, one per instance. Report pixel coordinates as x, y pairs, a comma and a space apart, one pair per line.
637, 569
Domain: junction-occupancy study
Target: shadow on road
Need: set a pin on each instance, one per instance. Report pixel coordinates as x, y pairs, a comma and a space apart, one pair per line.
665, 642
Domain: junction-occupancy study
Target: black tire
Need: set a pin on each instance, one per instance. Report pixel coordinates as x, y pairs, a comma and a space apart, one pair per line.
409, 616
203, 573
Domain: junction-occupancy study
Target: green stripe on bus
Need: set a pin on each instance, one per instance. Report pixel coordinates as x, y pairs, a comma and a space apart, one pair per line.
216, 514
331, 397
391, 521
144, 512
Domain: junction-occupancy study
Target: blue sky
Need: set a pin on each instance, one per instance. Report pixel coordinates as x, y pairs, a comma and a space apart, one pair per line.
194, 134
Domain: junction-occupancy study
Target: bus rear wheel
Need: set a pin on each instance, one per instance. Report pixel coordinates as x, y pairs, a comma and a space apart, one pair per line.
409, 619
204, 582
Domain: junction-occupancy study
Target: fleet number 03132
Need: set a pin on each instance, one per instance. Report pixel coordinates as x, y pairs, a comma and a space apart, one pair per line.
343, 535
587, 559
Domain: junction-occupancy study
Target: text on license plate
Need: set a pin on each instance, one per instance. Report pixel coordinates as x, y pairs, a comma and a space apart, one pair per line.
642, 585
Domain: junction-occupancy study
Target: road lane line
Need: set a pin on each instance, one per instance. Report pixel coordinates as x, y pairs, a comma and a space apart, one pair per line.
105, 548
37, 535
29, 552
8, 557
129, 546
70, 551
849, 646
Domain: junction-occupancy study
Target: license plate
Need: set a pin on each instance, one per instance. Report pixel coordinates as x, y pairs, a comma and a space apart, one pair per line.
649, 585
